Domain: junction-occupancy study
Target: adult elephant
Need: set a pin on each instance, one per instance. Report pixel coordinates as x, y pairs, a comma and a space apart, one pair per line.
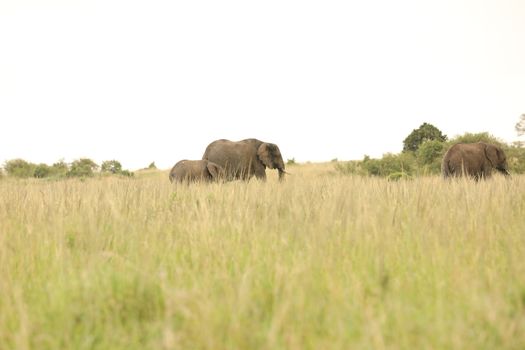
475, 160
246, 158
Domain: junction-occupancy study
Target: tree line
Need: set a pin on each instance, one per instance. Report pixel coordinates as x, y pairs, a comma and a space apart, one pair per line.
83, 167
422, 152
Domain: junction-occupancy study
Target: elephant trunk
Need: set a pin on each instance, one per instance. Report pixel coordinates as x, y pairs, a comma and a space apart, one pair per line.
281, 174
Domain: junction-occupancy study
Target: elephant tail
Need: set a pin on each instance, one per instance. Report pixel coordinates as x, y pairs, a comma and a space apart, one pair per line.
446, 169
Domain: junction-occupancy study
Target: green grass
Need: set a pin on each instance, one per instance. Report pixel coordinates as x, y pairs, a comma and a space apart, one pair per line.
321, 261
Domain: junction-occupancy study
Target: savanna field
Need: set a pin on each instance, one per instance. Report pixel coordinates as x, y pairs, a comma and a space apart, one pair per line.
320, 261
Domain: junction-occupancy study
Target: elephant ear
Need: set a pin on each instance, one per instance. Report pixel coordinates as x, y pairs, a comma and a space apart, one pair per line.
213, 169
492, 154
265, 154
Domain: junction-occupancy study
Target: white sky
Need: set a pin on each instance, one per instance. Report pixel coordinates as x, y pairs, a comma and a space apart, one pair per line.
143, 81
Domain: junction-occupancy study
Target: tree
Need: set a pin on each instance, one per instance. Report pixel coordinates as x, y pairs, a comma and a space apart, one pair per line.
82, 168
520, 125
424, 133
111, 166
59, 169
19, 168
429, 156
477, 137
429, 150
42, 170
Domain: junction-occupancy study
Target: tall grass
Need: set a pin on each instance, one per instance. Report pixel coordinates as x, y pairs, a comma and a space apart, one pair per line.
321, 261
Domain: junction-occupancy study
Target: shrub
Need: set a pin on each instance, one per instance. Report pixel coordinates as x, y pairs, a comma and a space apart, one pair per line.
19, 168
114, 167
59, 169
390, 163
429, 156
290, 161
111, 166
399, 175
477, 137
516, 159
83, 167
42, 170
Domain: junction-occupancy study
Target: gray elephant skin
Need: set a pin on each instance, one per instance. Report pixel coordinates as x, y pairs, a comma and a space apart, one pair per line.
195, 170
245, 159
476, 160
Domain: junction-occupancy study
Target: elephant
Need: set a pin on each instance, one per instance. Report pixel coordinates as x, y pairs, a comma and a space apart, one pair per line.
246, 158
195, 170
475, 160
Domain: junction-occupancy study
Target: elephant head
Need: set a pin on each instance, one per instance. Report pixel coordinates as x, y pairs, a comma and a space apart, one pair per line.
497, 158
270, 155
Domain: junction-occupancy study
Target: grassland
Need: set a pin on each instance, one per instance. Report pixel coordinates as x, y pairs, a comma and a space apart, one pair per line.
321, 261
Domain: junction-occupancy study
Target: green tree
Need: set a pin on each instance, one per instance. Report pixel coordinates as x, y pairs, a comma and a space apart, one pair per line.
42, 170
111, 166
477, 137
83, 167
19, 168
516, 159
429, 155
424, 133
59, 169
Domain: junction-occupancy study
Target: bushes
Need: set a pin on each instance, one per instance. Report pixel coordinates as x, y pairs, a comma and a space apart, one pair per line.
111, 166
83, 167
59, 169
390, 163
403, 163
429, 156
516, 159
114, 167
42, 170
471, 138
19, 168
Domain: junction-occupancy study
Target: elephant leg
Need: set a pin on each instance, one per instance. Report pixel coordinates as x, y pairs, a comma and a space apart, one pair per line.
261, 175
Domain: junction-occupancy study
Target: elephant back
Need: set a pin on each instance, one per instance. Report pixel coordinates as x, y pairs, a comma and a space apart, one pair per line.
236, 158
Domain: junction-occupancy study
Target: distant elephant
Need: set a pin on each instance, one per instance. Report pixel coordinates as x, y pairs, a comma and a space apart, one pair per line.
246, 158
474, 159
195, 170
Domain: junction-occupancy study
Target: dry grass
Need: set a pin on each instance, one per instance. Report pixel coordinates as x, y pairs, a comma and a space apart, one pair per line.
320, 261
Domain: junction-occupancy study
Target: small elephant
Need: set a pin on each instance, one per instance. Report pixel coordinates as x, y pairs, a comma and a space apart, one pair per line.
474, 160
246, 158
195, 170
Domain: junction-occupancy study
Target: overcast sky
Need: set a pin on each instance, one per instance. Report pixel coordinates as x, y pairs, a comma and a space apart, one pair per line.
143, 81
